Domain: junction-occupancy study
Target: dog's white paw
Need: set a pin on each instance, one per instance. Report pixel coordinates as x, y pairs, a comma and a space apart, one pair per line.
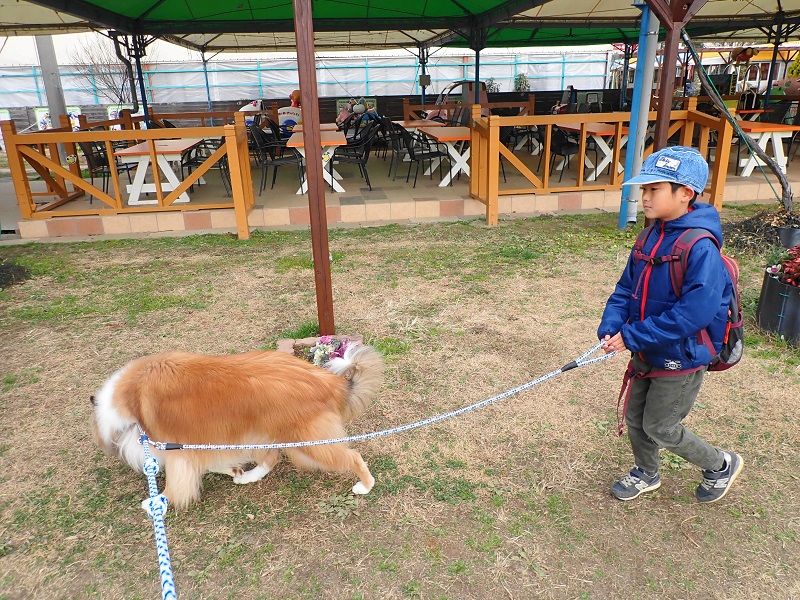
257, 473
360, 489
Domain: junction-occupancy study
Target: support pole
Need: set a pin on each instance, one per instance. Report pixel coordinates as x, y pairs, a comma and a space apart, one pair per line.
423, 62
52, 82
640, 109
138, 52
477, 76
304, 33
673, 16
477, 43
779, 32
667, 87
208, 87
623, 86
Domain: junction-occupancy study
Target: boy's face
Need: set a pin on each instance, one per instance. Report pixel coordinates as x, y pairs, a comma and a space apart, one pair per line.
660, 202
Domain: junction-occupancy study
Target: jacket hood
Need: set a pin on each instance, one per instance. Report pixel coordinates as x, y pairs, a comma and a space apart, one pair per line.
700, 215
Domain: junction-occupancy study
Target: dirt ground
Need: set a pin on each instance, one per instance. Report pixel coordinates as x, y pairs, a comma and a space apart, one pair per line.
509, 501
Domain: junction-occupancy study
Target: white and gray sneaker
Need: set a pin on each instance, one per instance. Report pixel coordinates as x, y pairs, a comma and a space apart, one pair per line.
634, 484
716, 484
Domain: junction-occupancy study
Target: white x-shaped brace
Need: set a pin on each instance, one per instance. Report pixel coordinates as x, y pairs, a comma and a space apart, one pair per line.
459, 162
327, 154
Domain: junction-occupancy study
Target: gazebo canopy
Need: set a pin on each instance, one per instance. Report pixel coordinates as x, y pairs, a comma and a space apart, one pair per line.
257, 25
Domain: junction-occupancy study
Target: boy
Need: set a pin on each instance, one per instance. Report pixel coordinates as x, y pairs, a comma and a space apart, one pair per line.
662, 331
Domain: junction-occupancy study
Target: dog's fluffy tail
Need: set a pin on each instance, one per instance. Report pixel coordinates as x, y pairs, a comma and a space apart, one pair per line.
363, 367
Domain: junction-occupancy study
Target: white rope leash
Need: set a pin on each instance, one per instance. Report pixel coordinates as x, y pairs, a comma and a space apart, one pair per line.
581, 361
156, 506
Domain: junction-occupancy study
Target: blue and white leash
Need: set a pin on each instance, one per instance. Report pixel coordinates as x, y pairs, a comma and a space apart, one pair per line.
156, 505
581, 361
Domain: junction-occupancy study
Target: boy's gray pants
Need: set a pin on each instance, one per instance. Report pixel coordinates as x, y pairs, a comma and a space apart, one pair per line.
656, 407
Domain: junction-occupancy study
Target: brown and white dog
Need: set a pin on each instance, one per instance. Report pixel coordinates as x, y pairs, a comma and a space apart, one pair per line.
260, 397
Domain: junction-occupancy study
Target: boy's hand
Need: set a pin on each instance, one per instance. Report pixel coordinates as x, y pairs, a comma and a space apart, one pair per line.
614, 344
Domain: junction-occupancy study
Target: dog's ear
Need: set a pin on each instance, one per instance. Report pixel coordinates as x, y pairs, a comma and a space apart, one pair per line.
92, 400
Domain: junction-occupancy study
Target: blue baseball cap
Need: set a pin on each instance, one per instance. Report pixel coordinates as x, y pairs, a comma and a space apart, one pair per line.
675, 164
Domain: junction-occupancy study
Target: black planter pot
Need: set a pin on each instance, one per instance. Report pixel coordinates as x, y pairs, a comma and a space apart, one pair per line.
790, 236
779, 309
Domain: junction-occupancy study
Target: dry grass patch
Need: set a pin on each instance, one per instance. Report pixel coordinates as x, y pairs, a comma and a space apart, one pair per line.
509, 501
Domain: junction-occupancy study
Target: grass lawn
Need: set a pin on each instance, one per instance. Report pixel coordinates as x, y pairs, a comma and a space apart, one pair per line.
510, 501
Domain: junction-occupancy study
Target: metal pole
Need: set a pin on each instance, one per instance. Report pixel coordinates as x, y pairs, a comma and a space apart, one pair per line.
640, 108
771, 77
138, 51
623, 87
52, 83
208, 87
423, 61
477, 76
304, 34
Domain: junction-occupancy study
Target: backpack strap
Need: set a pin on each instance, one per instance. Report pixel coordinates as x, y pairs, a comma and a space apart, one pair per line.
680, 255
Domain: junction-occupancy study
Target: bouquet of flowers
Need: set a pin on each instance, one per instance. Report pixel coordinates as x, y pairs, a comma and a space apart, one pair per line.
788, 270
327, 348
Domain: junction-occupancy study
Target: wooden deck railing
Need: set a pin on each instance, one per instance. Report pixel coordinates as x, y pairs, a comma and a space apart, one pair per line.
64, 182
487, 150
412, 112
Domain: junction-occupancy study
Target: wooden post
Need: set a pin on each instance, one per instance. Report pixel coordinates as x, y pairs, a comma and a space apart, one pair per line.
477, 157
306, 63
493, 171
667, 87
18, 176
721, 157
687, 135
238, 178
673, 16
244, 162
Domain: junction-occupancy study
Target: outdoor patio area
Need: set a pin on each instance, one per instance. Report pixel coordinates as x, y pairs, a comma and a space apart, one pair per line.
389, 201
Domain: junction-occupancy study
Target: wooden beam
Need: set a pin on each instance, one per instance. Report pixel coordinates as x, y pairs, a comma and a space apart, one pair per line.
306, 67
672, 16
667, 87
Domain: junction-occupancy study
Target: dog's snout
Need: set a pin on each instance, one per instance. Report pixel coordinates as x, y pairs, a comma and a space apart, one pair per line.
92, 400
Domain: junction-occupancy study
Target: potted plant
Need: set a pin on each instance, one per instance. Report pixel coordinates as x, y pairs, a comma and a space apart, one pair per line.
787, 224
779, 303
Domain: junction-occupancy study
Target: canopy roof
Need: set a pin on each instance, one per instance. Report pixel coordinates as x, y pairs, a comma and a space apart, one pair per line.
25, 18
254, 25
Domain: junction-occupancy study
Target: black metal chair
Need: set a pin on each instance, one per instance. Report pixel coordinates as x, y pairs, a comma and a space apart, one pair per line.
276, 131
97, 163
399, 150
223, 166
358, 152
419, 151
274, 154
561, 145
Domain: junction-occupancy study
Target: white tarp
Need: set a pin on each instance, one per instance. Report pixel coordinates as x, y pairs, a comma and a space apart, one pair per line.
350, 76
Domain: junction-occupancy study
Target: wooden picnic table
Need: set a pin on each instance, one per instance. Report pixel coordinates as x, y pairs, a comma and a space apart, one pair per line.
459, 154
168, 153
329, 140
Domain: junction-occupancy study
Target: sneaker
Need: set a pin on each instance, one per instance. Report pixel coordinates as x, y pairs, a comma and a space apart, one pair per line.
716, 484
635, 483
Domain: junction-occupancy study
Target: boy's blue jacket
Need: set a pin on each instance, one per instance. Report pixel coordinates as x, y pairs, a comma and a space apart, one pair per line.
653, 320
